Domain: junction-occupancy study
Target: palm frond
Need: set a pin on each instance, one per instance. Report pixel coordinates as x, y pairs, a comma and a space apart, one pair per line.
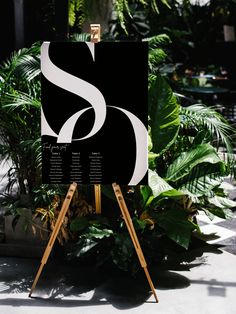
154, 6
80, 37
20, 115
20, 100
35, 146
165, 2
28, 57
8, 66
28, 67
222, 133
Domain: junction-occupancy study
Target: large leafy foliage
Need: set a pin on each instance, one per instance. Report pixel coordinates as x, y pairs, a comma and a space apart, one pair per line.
164, 114
186, 169
203, 154
211, 125
174, 220
20, 112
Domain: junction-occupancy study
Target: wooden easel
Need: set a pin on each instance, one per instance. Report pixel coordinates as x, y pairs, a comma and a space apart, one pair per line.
128, 222
95, 37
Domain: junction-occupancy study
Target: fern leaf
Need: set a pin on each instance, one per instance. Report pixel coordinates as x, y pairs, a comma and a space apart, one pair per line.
71, 13
158, 41
122, 8
155, 58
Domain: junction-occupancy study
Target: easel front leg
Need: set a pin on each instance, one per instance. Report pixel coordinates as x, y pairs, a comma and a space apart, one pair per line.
55, 232
133, 235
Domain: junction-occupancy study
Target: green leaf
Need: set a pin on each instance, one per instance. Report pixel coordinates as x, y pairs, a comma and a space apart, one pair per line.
149, 143
139, 224
201, 185
208, 213
79, 224
164, 114
203, 153
165, 2
170, 194
152, 160
94, 232
151, 156
123, 251
80, 37
146, 192
176, 225
88, 245
20, 100
155, 7
71, 13
222, 202
208, 119
157, 184
28, 67
82, 247
203, 178
219, 212
158, 41
156, 57
121, 7
163, 198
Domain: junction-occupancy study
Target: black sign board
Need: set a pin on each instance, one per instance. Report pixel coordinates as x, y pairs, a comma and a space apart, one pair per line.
94, 112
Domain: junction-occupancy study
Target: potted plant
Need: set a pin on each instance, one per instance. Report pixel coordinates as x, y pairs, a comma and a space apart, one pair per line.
185, 177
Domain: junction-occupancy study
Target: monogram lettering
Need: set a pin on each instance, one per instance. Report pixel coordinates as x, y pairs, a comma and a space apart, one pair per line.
97, 103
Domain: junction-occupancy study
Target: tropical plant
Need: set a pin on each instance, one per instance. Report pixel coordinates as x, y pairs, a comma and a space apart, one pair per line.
19, 124
185, 177
122, 8
186, 168
82, 11
132, 24
128, 17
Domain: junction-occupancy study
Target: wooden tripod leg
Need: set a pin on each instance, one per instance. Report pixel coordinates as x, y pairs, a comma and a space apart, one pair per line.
133, 235
97, 193
54, 234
